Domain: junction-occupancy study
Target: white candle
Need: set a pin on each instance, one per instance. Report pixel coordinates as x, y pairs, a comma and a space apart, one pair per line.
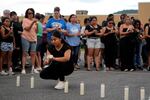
66, 87
50, 56
102, 90
82, 88
126, 93
142, 93
149, 98
18, 81
32, 81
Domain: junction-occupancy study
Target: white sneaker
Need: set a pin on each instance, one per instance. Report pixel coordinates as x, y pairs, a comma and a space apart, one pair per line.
38, 68
60, 85
131, 70
3, 73
23, 71
10, 72
35, 71
125, 70
45, 66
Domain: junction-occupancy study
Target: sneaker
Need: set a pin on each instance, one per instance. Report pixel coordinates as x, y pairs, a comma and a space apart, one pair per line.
60, 85
107, 69
77, 66
144, 69
125, 70
112, 69
3, 73
35, 71
38, 68
45, 66
11, 73
131, 70
23, 71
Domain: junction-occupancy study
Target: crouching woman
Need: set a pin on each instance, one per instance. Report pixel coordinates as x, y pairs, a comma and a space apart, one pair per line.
59, 60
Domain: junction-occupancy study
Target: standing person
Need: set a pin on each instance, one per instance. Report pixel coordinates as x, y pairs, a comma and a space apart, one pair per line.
6, 13
127, 45
94, 44
109, 17
147, 37
60, 64
0, 49
7, 44
110, 41
29, 38
39, 42
55, 23
84, 40
73, 37
17, 30
138, 62
44, 38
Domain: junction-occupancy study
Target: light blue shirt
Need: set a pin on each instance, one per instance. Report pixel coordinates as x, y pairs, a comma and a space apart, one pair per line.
52, 22
73, 29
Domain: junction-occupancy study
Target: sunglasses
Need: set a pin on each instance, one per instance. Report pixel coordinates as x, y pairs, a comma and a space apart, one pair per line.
111, 23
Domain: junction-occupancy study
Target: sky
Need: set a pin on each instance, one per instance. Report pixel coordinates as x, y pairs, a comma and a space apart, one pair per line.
68, 7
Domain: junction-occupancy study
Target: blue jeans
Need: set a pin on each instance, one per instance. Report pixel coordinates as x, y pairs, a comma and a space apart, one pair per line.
138, 57
75, 53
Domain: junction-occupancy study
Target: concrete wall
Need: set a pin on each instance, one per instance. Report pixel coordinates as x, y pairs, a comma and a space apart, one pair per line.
144, 11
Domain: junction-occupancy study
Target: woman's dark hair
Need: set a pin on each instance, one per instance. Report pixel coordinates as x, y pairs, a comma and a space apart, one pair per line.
110, 16
137, 21
69, 19
92, 17
42, 16
13, 13
58, 35
86, 20
26, 13
4, 18
38, 16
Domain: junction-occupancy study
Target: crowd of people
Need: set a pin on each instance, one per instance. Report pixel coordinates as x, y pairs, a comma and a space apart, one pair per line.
124, 45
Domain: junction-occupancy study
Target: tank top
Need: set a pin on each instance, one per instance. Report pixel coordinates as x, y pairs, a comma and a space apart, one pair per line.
61, 52
9, 39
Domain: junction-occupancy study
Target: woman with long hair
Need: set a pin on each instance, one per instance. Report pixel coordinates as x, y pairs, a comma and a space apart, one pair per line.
59, 59
29, 39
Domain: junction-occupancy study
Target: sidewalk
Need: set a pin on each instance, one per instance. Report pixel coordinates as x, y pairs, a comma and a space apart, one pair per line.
44, 89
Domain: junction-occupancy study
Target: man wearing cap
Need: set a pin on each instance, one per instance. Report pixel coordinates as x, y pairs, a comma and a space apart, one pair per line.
55, 23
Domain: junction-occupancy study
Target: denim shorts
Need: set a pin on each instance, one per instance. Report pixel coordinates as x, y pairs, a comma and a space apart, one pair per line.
6, 46
94, 43
28, 45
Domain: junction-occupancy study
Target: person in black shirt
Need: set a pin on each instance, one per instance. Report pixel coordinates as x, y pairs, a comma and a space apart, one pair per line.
59, 59
94, 45
7, 44
17, 30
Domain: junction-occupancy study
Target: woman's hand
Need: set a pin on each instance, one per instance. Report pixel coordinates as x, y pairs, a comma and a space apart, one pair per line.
46, 61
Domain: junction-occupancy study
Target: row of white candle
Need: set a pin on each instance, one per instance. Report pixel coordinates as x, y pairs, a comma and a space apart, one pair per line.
31, 81
82, 88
